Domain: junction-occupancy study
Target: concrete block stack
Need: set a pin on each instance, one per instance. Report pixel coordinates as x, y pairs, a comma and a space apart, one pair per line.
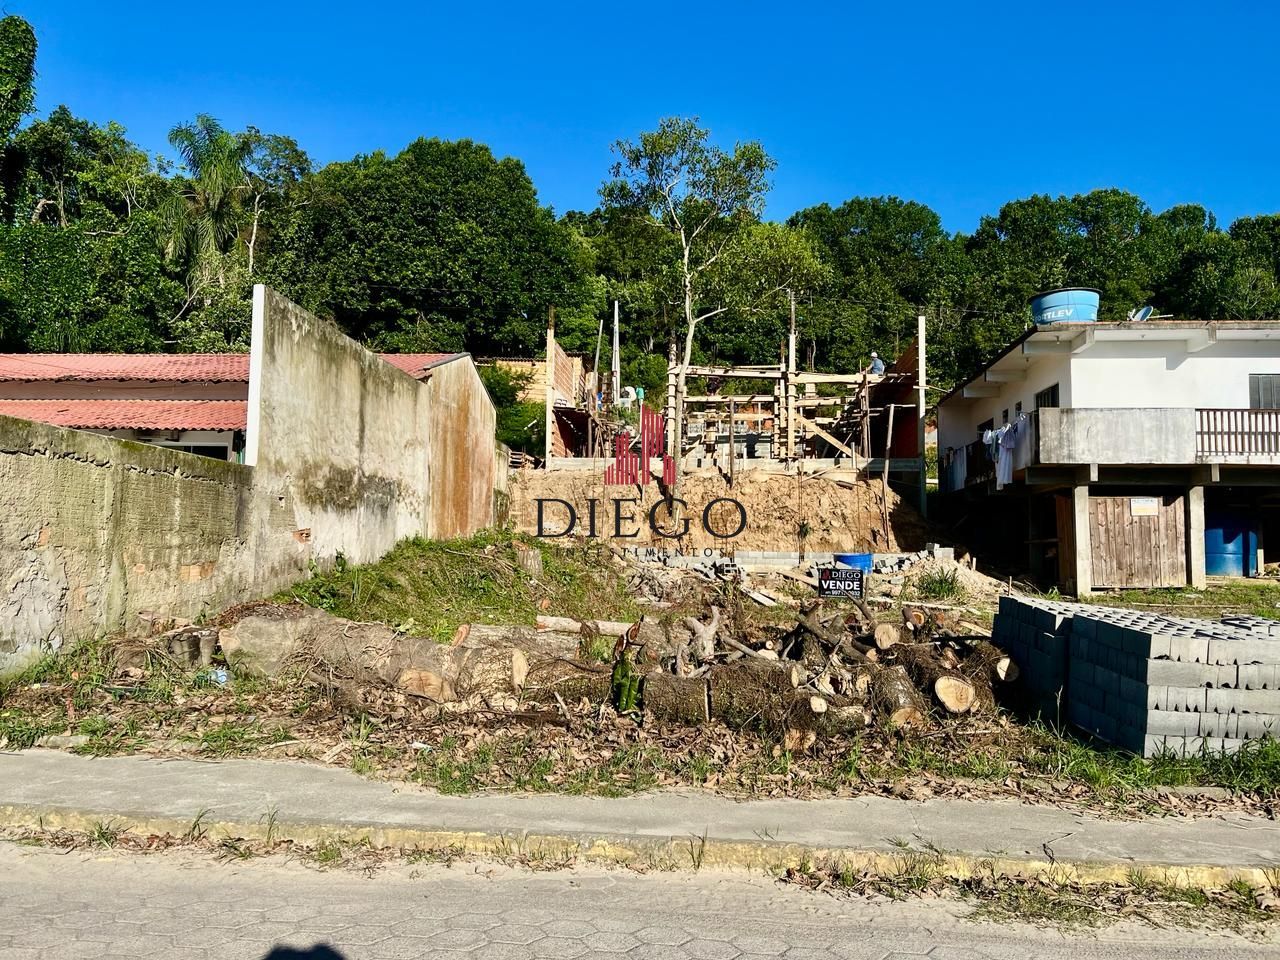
1146, 682
1036, 632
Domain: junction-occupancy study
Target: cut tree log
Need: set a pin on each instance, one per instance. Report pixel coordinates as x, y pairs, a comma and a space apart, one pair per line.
886, 635
606, 628
845, 719
572, 680
751, 694
673, 699
868, 650
988, 659
895, 699
951, 688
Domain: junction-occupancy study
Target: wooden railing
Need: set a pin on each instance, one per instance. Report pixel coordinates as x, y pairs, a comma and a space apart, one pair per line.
1237, 433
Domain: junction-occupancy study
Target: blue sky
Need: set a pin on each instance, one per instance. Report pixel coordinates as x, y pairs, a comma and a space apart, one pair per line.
960, 106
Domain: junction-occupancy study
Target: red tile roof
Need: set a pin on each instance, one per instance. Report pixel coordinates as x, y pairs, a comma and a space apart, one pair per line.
418, 365
170, 367
132, 414
174, 367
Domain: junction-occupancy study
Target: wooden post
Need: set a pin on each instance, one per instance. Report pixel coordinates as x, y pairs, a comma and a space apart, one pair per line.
775, 442
791, 384
671, 397
1083, 540
615, 365
595, 367
551, 383
884, 479
1194, 527
920, 409
733, 450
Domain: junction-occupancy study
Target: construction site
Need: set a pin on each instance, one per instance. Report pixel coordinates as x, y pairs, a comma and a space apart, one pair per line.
819, 462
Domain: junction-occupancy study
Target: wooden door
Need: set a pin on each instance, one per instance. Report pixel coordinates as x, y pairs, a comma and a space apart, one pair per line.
1137, 543
1064, 509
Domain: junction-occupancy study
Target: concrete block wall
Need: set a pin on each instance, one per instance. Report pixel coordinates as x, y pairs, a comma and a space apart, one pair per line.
1036, 636
1147, 682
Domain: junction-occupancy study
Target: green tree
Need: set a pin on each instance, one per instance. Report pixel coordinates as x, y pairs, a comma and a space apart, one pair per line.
17, 73
275, 165
521, 424
888, 258
202, 218
707, 200
442, 247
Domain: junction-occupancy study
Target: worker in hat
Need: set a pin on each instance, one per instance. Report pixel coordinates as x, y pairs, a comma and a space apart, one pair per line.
877, 365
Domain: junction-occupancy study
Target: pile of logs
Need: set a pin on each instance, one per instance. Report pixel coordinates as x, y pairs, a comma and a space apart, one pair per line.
831, 673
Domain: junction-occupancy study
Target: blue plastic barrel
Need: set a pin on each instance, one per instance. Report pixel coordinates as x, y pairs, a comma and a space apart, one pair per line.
1230, 544
1068, 305
859, 561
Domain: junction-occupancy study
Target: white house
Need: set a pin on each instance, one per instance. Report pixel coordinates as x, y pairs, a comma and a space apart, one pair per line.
1138, 454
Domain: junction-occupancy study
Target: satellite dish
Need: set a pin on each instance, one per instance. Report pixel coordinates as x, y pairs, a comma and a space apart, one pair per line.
1141, 314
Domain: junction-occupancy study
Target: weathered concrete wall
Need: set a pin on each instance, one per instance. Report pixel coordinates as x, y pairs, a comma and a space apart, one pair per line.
95, 531
337, 430
349, 455
367, 454
461, 468
1108, 436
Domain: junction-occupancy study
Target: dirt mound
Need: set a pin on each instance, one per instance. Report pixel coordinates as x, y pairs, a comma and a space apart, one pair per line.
781, 512
974, 587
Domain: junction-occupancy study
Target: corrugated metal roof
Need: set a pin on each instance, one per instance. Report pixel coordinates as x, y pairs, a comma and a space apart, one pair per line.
132, 414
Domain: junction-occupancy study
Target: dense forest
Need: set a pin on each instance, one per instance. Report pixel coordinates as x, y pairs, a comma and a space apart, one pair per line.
443, 246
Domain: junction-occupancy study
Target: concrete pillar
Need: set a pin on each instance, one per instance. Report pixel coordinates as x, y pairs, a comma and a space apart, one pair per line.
1084, 540
1195, 537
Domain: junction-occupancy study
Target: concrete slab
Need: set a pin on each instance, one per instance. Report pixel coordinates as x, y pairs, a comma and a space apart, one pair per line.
55, 785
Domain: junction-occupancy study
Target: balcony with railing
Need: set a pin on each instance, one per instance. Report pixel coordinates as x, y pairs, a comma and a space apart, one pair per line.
1238, 436
1123, 436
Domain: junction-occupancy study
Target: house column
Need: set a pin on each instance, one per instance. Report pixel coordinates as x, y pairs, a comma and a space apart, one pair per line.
1195, 537
1084, 541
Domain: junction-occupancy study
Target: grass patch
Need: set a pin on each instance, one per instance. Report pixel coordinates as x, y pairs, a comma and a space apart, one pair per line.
20, 730
233, 738
940, 584
429, 588
520, 763
1259, 597
1047, 899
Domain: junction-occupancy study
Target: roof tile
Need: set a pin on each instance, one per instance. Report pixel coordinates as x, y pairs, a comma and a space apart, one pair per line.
132, 414
170, 367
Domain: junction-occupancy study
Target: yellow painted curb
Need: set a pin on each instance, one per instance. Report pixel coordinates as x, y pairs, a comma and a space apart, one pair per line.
673, 853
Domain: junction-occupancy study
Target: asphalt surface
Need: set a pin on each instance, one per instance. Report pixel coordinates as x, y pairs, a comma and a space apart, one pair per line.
61, 905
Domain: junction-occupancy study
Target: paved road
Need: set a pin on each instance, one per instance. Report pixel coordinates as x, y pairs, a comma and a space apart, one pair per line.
59, 906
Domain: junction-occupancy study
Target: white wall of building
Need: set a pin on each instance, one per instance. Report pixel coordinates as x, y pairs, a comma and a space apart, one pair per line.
958, 419
1163, 374
1119, 373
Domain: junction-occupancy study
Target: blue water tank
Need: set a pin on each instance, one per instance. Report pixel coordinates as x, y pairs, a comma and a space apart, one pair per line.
1230, 544
859, 561
1068, 305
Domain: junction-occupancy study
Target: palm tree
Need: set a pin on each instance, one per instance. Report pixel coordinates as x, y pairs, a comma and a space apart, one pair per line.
201, 219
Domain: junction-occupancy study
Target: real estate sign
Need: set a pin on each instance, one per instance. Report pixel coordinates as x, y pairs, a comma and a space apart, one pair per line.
841, 582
